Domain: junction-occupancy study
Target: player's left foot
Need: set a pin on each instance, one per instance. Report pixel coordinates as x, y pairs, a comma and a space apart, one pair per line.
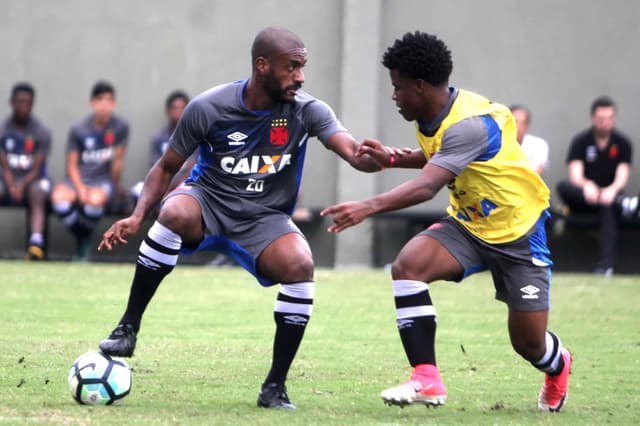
34, 252
555, 389
421, 388
121, 341
274, 395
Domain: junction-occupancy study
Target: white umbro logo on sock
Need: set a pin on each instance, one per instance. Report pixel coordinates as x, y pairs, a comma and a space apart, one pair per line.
530, 292
148, 263
295, 320
404, 323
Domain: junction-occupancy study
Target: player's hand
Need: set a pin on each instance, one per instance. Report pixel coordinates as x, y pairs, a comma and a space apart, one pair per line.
591, 193
347, 214
375, 150
119, 231
16, 191
381, 153
607, 196
83, 194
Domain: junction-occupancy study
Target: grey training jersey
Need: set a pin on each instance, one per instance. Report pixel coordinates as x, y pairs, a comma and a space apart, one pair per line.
96, 148
250, 161
21, 145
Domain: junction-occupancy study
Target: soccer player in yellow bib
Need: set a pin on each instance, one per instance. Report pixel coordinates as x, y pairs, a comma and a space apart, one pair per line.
498, 206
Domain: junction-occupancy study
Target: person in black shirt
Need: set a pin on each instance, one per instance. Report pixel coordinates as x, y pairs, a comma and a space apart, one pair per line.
599, 162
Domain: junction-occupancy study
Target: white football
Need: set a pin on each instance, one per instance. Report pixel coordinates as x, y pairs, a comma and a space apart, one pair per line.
96, 378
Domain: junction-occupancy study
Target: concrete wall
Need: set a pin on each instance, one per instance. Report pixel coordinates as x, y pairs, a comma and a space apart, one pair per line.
554, 56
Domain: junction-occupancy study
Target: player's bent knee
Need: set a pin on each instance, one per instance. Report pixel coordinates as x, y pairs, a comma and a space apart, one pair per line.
188, 226
406, 269
299, 269
97, 198
289, 269
62, 195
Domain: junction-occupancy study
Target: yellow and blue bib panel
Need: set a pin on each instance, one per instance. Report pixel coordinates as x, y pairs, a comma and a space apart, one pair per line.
496, 195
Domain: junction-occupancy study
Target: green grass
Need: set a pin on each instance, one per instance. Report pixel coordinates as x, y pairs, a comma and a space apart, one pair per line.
205, 347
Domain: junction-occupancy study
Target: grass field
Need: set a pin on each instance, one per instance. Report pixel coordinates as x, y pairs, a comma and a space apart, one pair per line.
205, 347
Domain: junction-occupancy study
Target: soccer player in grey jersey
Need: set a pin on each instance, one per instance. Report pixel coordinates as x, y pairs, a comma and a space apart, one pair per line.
174, 107
95, 153
24, 146
251, 137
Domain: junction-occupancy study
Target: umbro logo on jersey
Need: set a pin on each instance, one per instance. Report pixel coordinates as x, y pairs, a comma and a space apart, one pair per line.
295, 320
89, 142
530, 292
237, 138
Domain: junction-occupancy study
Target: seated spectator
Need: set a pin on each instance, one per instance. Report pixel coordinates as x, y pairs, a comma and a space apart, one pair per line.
95, 152
536, 149
174, 106
24, 146
599, 164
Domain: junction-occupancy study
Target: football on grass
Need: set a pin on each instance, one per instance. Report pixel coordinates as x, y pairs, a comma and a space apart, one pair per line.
95, 378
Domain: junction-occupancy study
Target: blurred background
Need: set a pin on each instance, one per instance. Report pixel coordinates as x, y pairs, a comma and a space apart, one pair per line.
555, 57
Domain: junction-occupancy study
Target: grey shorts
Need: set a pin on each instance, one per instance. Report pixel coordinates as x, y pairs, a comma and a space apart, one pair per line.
242, 239
42, 183
521, 269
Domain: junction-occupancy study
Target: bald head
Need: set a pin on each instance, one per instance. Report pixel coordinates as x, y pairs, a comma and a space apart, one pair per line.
273, 41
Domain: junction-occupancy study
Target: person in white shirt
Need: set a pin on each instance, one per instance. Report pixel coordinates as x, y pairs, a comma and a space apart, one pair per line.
536, 149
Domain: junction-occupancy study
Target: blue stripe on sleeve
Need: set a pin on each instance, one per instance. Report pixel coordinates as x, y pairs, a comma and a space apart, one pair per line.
494, 138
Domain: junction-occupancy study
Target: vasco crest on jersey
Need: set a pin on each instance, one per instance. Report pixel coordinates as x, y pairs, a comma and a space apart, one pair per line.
279, 134
109, 137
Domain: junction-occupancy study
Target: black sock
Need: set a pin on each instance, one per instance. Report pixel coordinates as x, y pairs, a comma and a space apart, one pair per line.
83, 227
416, 320
70, 216
144, 285
292, 312
551, 362
86, 221
157, 257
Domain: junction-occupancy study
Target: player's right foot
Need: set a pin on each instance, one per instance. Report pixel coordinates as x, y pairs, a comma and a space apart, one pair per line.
628, 206
121, 341
555, 390
421, 389
274, 395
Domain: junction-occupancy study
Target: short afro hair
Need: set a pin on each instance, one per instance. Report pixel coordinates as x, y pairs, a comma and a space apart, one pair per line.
421, 56
175, 95
22, 87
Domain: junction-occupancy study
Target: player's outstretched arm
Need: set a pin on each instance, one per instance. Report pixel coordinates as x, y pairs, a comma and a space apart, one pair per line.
155, 185
390, 156
422, 188
343, 144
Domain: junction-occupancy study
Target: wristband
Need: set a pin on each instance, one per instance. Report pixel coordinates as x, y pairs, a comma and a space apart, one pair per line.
392, 160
